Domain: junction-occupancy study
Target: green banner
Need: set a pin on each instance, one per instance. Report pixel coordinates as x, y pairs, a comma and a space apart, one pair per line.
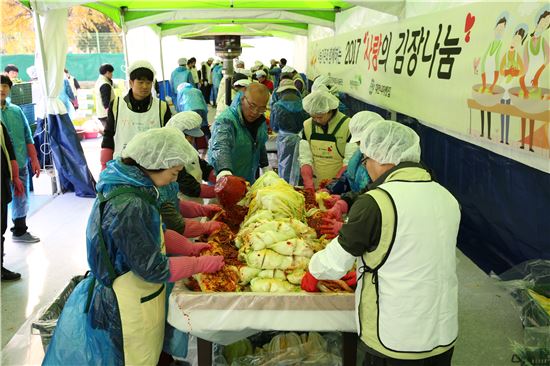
82, 66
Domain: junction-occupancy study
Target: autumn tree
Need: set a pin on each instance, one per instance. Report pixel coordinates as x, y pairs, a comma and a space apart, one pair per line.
85, 27
16, 27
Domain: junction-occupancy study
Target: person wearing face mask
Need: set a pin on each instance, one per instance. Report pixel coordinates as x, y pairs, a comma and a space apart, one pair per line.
402, 236
116, 315
138, 111
239, 134
325, 148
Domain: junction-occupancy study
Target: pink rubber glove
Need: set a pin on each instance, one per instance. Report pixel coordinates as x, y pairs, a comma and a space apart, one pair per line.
191, 209
207, 191
105, 156
307, 176
195, 228
336, 212
329, 202
183, 267
180, 245
341, 171
18, 188
330, 227
35, 164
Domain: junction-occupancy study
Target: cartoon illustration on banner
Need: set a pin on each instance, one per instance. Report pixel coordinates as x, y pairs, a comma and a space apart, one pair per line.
461, 71
510, 83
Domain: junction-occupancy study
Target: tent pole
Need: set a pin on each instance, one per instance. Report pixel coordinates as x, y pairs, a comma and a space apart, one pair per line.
41, 52
123, 10
44, 84
162, 68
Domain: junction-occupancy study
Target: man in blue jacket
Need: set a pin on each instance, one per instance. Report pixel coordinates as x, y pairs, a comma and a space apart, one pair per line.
239, 134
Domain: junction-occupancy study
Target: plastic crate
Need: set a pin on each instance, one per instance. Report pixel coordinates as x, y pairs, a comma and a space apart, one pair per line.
48, 319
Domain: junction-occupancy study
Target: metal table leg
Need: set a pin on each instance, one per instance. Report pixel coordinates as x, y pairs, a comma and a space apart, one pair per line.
349, 348
204, 352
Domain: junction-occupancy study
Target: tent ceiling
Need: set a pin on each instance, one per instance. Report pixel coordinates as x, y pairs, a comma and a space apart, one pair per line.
247, 16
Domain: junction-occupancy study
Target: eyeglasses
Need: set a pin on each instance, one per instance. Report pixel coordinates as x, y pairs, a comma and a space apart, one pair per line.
254, 108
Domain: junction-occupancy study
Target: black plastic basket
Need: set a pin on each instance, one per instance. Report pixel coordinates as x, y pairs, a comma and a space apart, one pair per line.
48, 319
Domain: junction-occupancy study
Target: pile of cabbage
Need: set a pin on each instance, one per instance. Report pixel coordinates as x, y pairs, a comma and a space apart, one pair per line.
274, 241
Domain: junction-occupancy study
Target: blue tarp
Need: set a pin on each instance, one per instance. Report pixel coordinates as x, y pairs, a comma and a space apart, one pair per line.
68, 155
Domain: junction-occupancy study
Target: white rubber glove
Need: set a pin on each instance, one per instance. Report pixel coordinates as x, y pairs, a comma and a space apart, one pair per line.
223, 173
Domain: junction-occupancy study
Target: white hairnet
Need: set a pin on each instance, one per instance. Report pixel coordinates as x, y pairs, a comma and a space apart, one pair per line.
182, 61
260, 73
139, 64
184, 121
31, 71
242, 82
325, 80
319, 102
389, 142
288, 69
158, 148
359, 122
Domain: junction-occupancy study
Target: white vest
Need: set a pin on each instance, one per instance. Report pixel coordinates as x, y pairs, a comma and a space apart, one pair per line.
100, 110
129, 123
428, 318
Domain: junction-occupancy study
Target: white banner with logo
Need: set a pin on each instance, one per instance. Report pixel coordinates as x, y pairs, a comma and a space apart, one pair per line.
478, 72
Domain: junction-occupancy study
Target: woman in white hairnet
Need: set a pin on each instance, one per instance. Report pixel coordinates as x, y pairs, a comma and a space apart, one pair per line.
325, 148
356, 177
198, 170
402, 236
117, 314
324, 81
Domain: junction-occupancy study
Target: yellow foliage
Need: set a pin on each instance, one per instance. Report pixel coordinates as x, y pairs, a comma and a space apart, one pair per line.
17, 28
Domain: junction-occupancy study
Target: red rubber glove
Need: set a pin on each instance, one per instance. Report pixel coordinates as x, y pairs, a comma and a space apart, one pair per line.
307, 176
330, 227
329, 202
18, 187
183, 267
191, 209
195, 228
105, 156
336, 212
350, 278
230, 189
207, 191
179, 244
35, 164
309, 283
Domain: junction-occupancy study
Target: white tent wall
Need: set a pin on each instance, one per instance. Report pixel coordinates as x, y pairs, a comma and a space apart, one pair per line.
317, 32
261, 48
143, 43
50, 59
359, 17
416, 8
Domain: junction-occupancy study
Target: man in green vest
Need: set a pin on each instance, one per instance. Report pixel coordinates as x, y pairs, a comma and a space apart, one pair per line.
402, 236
